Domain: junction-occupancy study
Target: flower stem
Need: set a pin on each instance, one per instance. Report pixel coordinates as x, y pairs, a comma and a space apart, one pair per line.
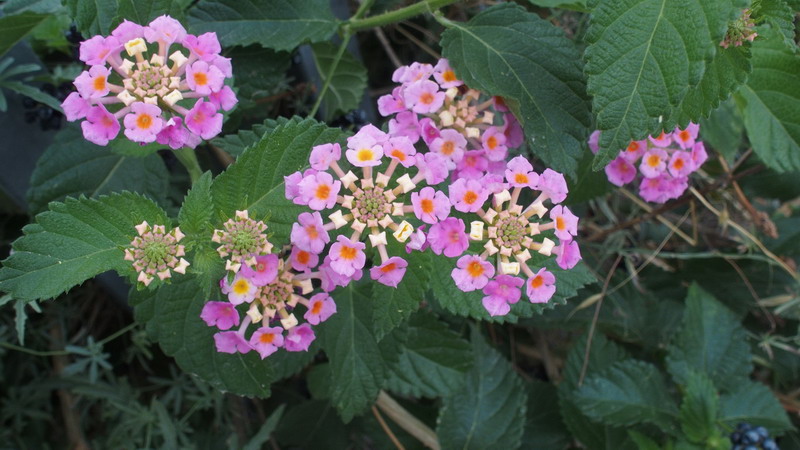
358, 24
188, 158
407, 421
331, 70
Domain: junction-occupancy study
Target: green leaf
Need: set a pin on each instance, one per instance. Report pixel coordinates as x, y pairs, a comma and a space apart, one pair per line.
197, 210
711, 341
509, 52
259, 72
347, 84
93, 16
642, 57
778, 15
433, 362
589, 184
543, 425
71, 166
32, 92
578, 5
628, 393
754, 403
699, 408
275, 24
489, 411
723, 130
13, 7
173, 311
144, 11
770, 100
235, 144
642, 441
357, 369
312, 424
260, 439
73, 242
255, 181
14, 28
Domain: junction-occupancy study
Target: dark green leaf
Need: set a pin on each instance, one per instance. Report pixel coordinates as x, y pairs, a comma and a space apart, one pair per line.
312, 424
578, 5
14, 28
144, 11
93, 16
754, 403
347, 84
543, 425
699, 408
723, 130
235, 144
260, 439
260, 72
13, 7
508, 52
779, 15
197, 211
32, 92
276, 24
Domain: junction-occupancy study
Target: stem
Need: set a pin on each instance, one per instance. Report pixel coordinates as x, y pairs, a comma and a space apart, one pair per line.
331, 70
188, 158
406, 421
104, 341
357, 24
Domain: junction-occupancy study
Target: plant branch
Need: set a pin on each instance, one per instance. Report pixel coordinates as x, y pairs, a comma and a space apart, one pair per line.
406, 421
188, 158
358, 24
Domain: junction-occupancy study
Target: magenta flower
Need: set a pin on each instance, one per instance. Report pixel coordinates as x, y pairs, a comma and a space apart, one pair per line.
390, 272
433, 166
494, 143
266, 340
220, 314
364, 150
500, 293
513, 131
263, 272
299, 338
414, 72
663, 139
401, 150
347, 257
392, 103
143, 123
322, 156
231, 342
95, 51
423, 96
520, 173
634, 151
126, 31
206, 46
204, 120
75, 108
620, 171
448, 237
309, 234
566, 223
302, 260
594, 141
472, 166
175, 134
100, 126
165, 29
686, 138
292, 184
553, 185
430, 206
681, 164
450, 144
699, 155
428, 130
468, 195
568, 254
204, 78
445, 76
224, 98
319, 190
94, 83
472, 272
242, 289
320, 307
654, 162
541, 287
496, 306
406, 124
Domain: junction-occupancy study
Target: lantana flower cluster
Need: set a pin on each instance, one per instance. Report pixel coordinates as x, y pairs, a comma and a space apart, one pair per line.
164, 84
664, 162
156, 253
263, 290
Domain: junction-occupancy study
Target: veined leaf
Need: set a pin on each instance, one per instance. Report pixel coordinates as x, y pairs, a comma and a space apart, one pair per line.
73, 242
235, 144
754, 403
699, 408
144, 11
93, 17
275, 24
509, 52
779, 15
347, 84
543, 425
14, 28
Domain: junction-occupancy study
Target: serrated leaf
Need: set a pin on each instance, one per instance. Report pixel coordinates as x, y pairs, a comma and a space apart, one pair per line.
73, 242
770, 100
173, 311
627, 393
93, 16
347, 84
71, 166
197, 210
433, 362
357, 369
699, 408
711, 341
235, 144
312, 424
255, 181
642, 57
259, 72
509, 52
754, 403
779, 15
15, 27
723, 130
489, 411
144, 11
543, 425
275, 24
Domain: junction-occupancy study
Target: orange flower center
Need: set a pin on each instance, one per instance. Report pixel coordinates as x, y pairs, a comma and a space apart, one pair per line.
99, 83
144, 121
470, 197
311, 230
491, 142
678, 164
653, 160
448, 147
107, 121
365, 154
684, 135
448, 76
475, 269
200, 78
388, 268
241, 287
426, 98
537, 282
427, 205
560, 224
316, 308
521, 178
633, 146
323, 191
347, 253
303, 257
266, 338
399, 154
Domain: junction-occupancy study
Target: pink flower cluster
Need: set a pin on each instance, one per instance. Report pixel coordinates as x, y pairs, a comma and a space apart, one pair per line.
164, 84
665, 163
740, 30
268, 287
155, 252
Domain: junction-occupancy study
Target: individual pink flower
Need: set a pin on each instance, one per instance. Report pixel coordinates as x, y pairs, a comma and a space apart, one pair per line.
451, 144
444, 75
500, 293
392, 103
699, 155
364, 152
541, 286
433, 167
319, 190
654, 189
568, 254
299, 338
594, 141
231, 342
663, 139
347, 256
204, 78
320, 307
430, 206
566, 223
331, 279
301, 260
423, 97
220, 314
553, 185
405, 123
241, 290
391, 272
176, 135
100, 126
428, 130
322, 156
143, 123
225, 98
75, 107
292, 183
634, 151
263, 272
513, 131
165, 29
496, 306
654, 162
127, 31
223, 64
96, 50
686, 138
472, 166
94, 83
472, 272
468, 195
204, 120
520, 173
401, 149
448, 237
620, 172
206, 46
309, 234
414, 72
681, 164
494, 143
418, 240
266, 340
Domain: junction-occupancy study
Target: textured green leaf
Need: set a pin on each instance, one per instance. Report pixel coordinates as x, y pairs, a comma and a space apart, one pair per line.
197, 210
32, 92
72, 166
347, 84
770, 101
779, 15
489, 411
754, 403
509, 52
93, 16
235, 144
642, 57
14, 28
723, 130
433, 361
711, 341
255, 181
262, 436
12, 7
543, 425
627, 393
276, 24
312, 424
699, 408
259, 72
578, 5
144, 11
173, 311
73, 242
357, 369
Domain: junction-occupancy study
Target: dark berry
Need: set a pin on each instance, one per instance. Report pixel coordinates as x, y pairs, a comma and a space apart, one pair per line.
769, 444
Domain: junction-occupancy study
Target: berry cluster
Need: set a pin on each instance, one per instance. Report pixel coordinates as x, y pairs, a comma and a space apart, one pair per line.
665, 163
748, 437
